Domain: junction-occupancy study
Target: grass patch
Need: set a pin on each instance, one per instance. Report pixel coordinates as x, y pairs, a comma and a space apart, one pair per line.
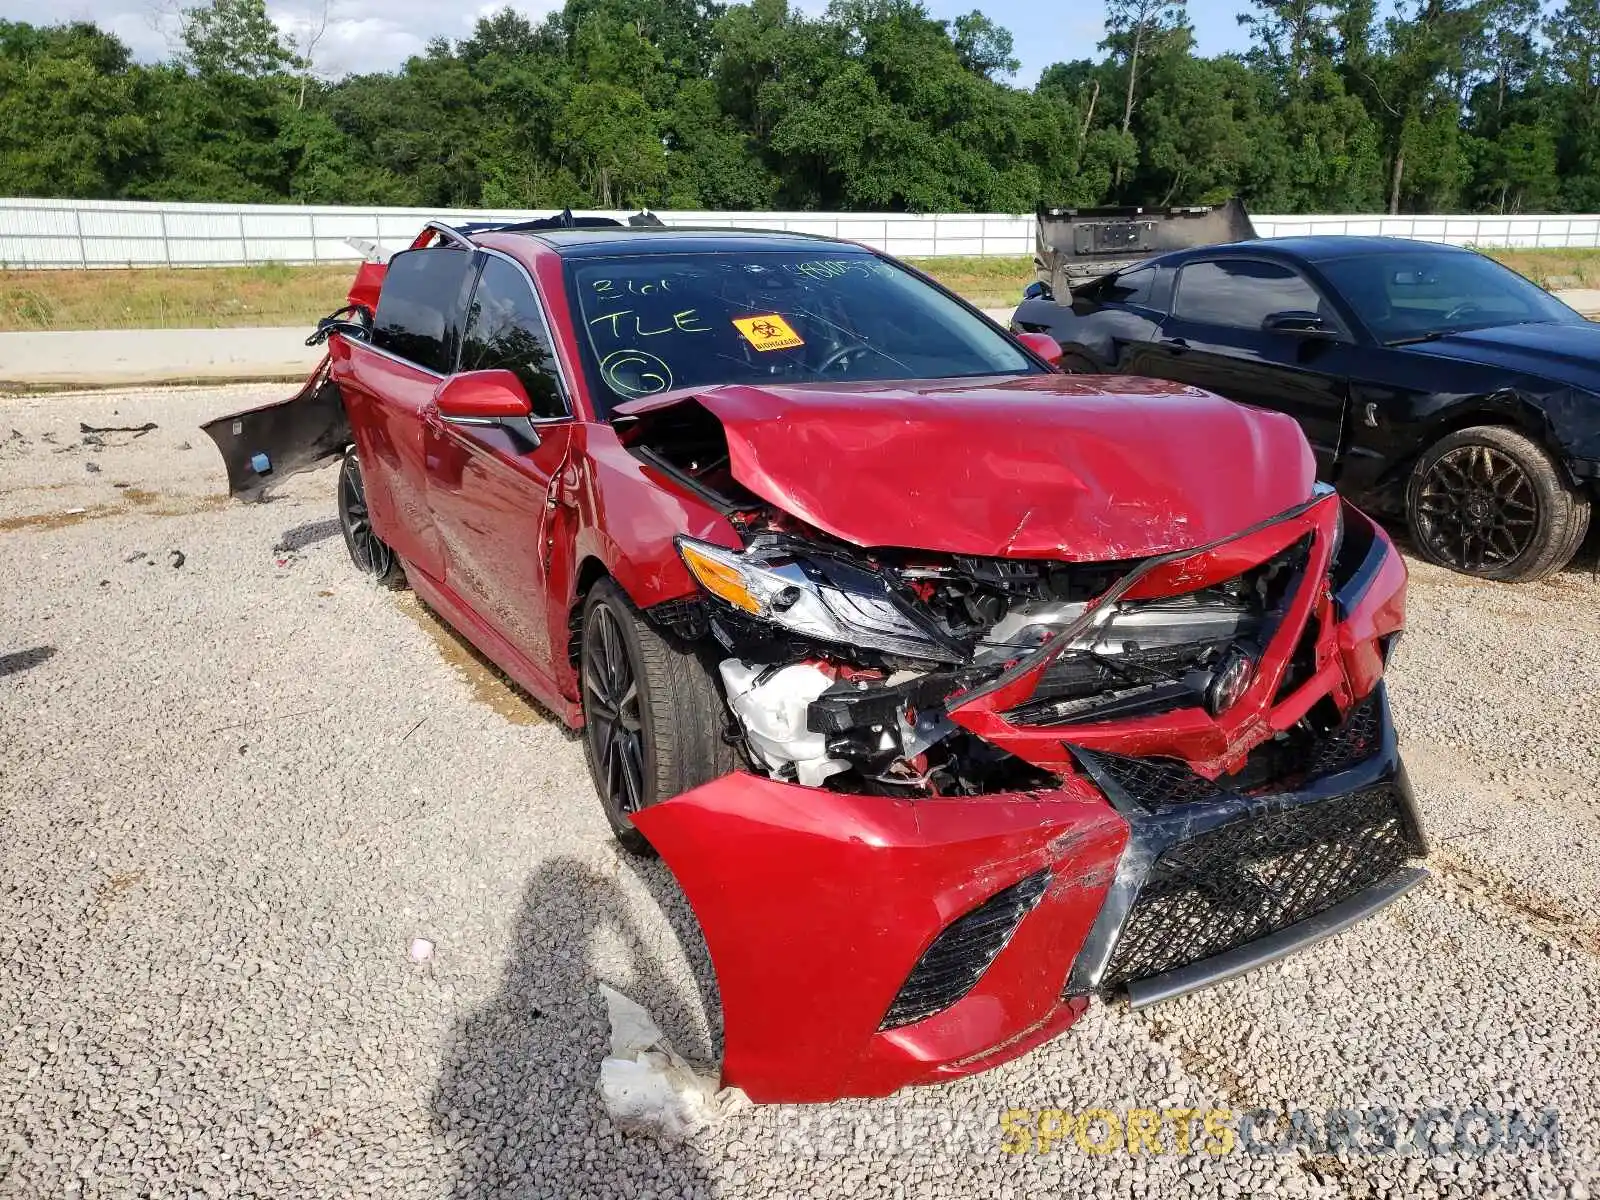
178, 298
986, 282
275, 294
1553, 269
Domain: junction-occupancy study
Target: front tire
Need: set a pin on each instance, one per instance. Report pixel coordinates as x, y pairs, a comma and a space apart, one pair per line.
370, 553
653, 714
1490, 502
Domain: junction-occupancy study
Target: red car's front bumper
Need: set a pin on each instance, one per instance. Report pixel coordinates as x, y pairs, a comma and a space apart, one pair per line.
816, 905
1145, 870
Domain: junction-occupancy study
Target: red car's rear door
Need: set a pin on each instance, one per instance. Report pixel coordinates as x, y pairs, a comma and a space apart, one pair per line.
500, 499
388, 386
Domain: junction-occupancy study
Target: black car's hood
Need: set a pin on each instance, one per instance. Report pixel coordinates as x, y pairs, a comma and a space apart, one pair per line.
1568, 354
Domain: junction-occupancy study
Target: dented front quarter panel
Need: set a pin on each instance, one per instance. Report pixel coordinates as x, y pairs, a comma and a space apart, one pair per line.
803, 992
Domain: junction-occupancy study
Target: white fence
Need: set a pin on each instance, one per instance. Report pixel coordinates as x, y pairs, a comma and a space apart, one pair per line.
107, 233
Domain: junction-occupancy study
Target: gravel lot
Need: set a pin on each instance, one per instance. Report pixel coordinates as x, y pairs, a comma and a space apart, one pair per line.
232, 792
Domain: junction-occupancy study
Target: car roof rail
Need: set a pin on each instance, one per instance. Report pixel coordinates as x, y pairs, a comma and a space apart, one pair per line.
561, 220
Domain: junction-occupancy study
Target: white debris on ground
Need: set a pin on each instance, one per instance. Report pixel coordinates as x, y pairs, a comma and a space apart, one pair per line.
646, 1087
231, 794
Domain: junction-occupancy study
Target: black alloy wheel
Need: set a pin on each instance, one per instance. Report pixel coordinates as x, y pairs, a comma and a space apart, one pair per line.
1477, 508
653, 714
370, 553
612, 717
1489, 501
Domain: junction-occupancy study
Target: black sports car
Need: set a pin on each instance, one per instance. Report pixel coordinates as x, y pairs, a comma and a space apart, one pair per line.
1430, 380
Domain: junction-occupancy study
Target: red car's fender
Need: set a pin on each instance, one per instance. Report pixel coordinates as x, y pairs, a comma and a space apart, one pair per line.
1376, 612
843, 893
628, 514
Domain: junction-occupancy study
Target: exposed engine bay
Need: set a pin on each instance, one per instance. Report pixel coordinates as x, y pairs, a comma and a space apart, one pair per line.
841, 663
840, 666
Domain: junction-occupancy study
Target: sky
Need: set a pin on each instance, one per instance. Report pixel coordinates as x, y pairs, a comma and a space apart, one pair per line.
378, 35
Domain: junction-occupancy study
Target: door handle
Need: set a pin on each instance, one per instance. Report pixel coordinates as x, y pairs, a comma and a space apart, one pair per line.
1176, 345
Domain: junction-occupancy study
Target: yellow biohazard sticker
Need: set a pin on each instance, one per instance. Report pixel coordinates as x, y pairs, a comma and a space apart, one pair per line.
771, 332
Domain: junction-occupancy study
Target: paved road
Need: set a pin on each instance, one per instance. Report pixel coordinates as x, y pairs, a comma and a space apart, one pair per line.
150, 356
235, 786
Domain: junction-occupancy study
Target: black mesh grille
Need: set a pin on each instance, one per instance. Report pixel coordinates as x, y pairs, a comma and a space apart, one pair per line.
1357, 740
1255, 876
1277, 765
1156, 782
959, 956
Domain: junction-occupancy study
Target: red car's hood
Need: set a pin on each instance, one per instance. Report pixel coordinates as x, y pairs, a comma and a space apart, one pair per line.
1051, 466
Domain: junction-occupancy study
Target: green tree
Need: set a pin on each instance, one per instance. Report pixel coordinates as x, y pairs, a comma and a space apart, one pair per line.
1135, 28
72, 119
234, 37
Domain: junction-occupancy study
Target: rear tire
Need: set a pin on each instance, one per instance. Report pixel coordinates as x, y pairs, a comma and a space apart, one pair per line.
1490, 501
653, 713
370, 553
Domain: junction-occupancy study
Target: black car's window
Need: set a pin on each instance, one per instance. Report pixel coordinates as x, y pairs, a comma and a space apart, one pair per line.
505, 329
1414, 293
1242, 293
1131, 287
419, 308
652, 322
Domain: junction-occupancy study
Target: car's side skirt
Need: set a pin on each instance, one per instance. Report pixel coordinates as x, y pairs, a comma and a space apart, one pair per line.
523, 670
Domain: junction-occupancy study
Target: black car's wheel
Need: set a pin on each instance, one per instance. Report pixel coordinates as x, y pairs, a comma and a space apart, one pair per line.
1490, 502
653, 714
370, 553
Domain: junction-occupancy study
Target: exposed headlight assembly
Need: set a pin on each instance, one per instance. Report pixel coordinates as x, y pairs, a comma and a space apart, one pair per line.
827, 601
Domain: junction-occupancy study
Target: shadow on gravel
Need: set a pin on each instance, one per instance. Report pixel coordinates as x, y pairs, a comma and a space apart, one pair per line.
516, 1104
308, 534
25, 660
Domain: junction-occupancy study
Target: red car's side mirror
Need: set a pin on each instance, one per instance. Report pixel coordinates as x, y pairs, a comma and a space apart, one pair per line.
483, 396
1042, 344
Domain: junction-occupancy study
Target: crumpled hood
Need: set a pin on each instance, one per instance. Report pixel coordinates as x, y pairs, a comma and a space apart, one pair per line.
1043, 466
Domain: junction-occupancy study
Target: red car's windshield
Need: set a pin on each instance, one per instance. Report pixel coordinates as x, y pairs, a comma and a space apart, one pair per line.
652, 322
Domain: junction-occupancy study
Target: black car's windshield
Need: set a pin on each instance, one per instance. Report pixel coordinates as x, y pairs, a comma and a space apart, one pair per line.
651, 322
1425, 293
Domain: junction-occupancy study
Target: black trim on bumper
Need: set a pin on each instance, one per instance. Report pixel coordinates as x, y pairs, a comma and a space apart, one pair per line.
1232, 963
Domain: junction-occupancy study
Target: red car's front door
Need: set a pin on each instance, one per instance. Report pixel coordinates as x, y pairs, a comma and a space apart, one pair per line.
388, 387
386, 398
500, 498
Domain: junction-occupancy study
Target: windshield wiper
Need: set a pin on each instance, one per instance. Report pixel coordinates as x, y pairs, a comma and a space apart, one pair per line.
1434, 335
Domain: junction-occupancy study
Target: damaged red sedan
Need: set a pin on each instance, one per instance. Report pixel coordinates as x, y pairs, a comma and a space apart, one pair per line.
954, 691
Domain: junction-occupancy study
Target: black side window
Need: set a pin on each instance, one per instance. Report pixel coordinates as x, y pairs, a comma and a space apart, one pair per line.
419, 309
1131, 287
1241, 293
506, 331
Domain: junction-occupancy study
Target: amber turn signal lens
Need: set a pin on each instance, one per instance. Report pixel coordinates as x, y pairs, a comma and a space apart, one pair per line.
719, 578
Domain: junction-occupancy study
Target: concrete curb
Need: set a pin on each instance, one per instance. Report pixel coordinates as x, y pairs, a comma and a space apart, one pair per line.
122, 357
